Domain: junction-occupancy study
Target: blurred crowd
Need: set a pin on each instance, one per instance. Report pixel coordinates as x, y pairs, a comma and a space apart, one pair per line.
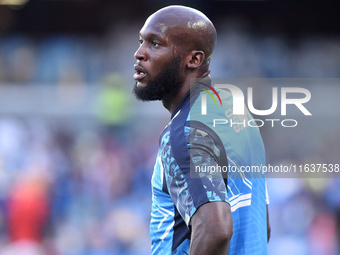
73, 192
239, 53
71, 189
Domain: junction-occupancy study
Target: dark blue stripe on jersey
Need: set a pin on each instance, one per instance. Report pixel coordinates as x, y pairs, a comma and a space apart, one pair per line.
181, 153
164, 186
181, 231
162, 134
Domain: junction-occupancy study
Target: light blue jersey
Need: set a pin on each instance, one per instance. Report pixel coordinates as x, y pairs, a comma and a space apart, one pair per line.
181, 183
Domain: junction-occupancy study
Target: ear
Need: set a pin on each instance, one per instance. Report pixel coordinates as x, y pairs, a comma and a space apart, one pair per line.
195, 59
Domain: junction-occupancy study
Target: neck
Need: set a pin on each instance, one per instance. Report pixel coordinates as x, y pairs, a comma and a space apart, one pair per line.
171, 102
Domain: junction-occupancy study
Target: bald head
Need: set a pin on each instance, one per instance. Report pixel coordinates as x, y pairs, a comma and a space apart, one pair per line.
188, 29
176, 43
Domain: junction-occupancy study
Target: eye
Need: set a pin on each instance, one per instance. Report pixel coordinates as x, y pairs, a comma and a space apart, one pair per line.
140, 41
155, 44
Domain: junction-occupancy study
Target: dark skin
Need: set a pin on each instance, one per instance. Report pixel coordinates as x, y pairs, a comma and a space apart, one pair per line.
172, 32
268, 226
166, 35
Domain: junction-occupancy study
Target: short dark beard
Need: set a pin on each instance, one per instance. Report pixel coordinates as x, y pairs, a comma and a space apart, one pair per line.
165, 85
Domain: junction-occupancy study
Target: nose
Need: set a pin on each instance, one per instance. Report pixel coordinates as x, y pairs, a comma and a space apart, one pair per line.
140, 53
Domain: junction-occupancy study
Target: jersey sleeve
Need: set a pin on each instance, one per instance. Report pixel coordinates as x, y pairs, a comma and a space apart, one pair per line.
189, 189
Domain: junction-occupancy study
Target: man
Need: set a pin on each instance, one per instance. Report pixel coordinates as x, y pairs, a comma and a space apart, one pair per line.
197, 213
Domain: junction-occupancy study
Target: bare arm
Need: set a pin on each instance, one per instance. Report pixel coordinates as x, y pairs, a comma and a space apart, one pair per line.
268, 226
212, 229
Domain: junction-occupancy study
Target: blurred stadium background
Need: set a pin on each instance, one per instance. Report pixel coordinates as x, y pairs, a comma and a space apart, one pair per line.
77, 150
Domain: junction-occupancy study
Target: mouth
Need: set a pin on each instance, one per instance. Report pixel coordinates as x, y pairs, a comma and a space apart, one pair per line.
139, 74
